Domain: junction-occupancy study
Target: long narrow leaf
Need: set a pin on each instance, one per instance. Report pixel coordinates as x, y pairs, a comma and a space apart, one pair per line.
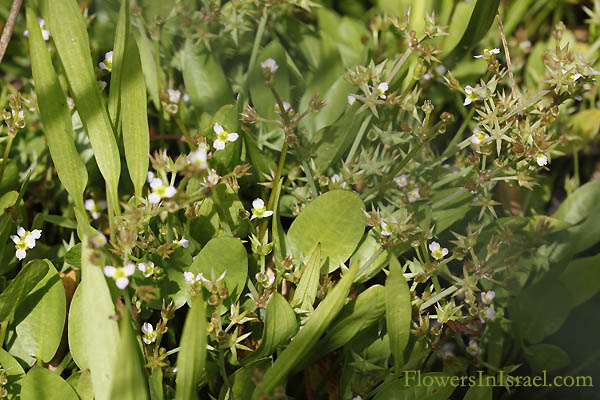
398, 312
118, 63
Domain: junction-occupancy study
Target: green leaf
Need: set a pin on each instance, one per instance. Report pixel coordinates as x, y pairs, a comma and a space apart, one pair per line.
479, 393
458, 25
306, 291
129, 378
306, 338
156, 384
368, 247
334, 219
14, 374
280, 325
8, 200
243, 381
119, 64
582, 279
192, 353
579, 204
347, 34
73, 256
480, 22
82, 383
136, 136
204, 79
40, 318
72, 43
147, 59
546, 357
540, 310
55, 116
417, 386
398, 311
10, 180
224, 254
19, 287
76, 323
43, 384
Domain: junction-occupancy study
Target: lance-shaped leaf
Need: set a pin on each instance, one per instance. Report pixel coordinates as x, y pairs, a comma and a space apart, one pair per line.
306, 292
19, 287
306, 339
192, 352
55, 116
398, 311
118, 63
43, 384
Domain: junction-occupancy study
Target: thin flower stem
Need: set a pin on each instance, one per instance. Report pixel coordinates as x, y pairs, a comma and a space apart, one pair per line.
186, 134
309, 176
284, 150
9, 26
358, 138
6, 153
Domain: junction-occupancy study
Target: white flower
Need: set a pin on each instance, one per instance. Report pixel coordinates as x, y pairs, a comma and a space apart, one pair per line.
212, 178
488, 297
337, 180
160, 191
186, 97
174, 95
107, 63
351, 99
286, 107
120, 274
541, 158
150, 334
470, 96
381, 89
150, 176
181, 243
258, 209
401, 180
440, 69
436, 251
223, 137
385, 229
487, 314
478, 136
270, 65
94, 208
190, 278
99, 240
473, 348
488, 53
199, 158
147, 269
45, 33
101, 85
413, 195
25, 241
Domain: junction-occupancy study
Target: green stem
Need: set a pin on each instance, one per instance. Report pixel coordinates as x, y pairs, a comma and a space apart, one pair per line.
186, 134
6, 153
284, 150
358, 138
309, 176
161, 120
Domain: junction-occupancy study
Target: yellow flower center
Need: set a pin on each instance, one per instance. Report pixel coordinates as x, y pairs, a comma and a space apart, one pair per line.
161, 191
222, 136
437, 253
120, 273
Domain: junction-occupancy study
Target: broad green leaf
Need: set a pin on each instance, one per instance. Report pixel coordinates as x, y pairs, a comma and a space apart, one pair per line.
579, 204
336, 102
306, 339
136, 136
98, 333
417, 386
10, 180
347, 34
280, 325
8, 200
546, 357
262, 160
540, 310
56, 116
82, 383
444, 219
495, 345
262, 98
479, 393
306, 291
192, 352
204, 79
73, 256
129, 378
368, 247
19, 287
76, 327
480, 22
43, 384
398, 311
582, 279
118, 64
40, 318
224, 255
334, 219
73, 47
458, 25
14, 374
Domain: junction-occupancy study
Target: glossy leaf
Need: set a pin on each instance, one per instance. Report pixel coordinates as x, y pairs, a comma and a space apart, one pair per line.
306, 291
314, 327
334, 219
398, 311
82, 383
204, 79
8, 200
579, 204
192, 353
19, 287
43, 384
582, 279
14, 374
368, 247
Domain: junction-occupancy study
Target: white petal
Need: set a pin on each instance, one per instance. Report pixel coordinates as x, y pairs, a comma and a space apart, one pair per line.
20, 231
36, 233
89, 204
444, 251
147, 328
252, 217
184, 243
383, 86
150, 176
129, 269
15, 238
108, 56
434, 246
232, 137
267, 214
156, 182
141, 267
21, 254
467, 101
219, 145
122, 283
170, 192
258, 203
189, 277
45, 34
103, 66
109, 271
351, 99
153, 198
217, 128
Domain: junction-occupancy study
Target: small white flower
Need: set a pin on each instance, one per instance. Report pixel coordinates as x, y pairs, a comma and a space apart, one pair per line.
186, 97
351, 99
440, 69
270, 65
258, 209
70, 103
385, 229
381, 89
99, 240
101, 85
286, 107
401, 180
478, 136
488, 53
120, 274
94, 208
437, 251
488, 297
150, 176
413, 195
199, 158
25, 241
107, 63
147, 269
541, 158
269, 281
150, 334
45, 33
181, 243
470, 96
212, 178
160, 191
487, 313
223, 137
473, 348
174, 95
336, 180
189, 277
